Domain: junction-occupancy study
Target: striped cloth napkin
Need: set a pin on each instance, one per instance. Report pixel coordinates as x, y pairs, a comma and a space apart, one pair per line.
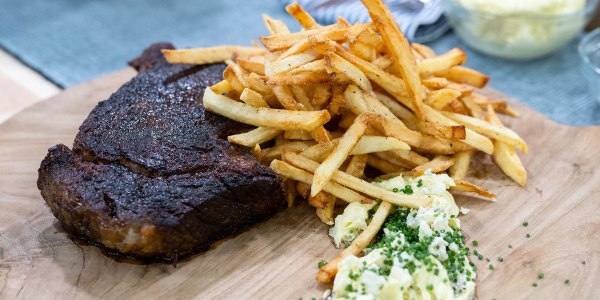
420, 20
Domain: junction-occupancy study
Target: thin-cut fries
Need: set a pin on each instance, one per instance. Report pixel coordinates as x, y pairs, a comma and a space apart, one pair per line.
260, 116
253, 137
337, 105
286, 170
209, 55
339, 154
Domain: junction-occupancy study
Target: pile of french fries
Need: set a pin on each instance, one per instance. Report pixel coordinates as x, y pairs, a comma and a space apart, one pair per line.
329, 101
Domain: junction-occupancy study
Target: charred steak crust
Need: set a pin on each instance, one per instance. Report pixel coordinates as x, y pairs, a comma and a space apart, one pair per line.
151, 174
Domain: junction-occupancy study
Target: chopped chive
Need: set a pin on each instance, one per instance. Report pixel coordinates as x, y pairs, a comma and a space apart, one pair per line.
491, 267
528, 235
321, 263
534, 284
541, 276
525, 224
567, 281
475, 243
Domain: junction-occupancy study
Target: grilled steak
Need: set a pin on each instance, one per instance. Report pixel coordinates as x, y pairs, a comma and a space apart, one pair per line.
151, 173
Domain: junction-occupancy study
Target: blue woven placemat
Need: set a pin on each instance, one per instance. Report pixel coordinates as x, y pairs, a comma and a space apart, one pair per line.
72, 41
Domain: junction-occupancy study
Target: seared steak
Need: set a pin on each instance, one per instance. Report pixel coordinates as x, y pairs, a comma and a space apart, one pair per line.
151, 173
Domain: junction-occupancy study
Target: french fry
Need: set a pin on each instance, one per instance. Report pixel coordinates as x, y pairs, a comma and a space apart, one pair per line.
255, 136
222, 87
472, 107
290, 62
397, 160
465, 186
464, 75
360, 185
275, 27
306, 20
328, 271
435, 82
364, 51
286, 170
261, 116
438, 164
251, 65
326, 214
371, 144
253, 98
472, 138
425, 51
462, 160
457, 132
496, 132
338, 64
321, 94
318, 65
286, 98
505, 156
442, 62
303, 189
324, 172
383, 165
290, 192
276, 151
284, 41
439, 99
399, 49
202, 56
318, 201
357, 165
297, 135
317, 77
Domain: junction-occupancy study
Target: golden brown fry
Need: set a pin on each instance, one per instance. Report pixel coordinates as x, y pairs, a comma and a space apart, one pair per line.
473, 108
435, 83
472, 138
253, 98
457, 132
222, 87
317, 77
306, 20
261, 116
442, 62
505, 156
297, 135
201, 56
326, 214
496, 132
370, 144
425, 51
383, 165
274, 26
464, 75
399, 49
321, 94
303, 189
462, 160
290, 192
337, 64
439, 99
255, 136
251, 65
328, 271
362, 50
286, 98
318, 201
284, 41
276, 151
397, 160
438, 164
465, 186
291, 62
289, 171
357, 165
324, 172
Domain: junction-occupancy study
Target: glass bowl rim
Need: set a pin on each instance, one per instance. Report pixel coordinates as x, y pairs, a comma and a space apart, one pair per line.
582, 53
455, 4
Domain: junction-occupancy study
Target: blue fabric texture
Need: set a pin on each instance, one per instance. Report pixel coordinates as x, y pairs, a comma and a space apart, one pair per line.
72, 41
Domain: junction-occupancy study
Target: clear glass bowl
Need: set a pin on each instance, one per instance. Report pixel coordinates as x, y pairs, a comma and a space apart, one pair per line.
589, 52
514, 36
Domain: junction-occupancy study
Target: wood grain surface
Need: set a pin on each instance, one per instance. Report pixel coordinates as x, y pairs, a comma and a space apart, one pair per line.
278, 259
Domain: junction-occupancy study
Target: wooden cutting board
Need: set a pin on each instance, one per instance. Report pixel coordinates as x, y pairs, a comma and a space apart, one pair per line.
278, 259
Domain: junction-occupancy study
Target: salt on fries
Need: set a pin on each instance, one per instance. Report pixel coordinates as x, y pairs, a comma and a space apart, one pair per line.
331, 101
